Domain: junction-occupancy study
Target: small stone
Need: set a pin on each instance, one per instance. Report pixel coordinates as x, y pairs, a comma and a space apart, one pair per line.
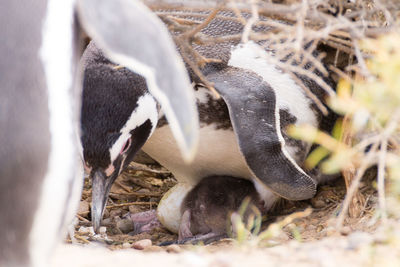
173, 248
134, 209
330, 230
102, 230
83, 207
107, 221
125, 225
126, 245
317, 203
115, 212
346, 230
142, 244
86, 230
153, 249
320, 227
143, 191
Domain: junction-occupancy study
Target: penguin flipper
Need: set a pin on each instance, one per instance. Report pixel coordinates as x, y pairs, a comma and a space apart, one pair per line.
131, 35
255, 119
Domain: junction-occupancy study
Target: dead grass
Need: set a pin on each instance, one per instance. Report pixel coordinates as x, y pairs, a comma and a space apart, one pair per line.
137, 191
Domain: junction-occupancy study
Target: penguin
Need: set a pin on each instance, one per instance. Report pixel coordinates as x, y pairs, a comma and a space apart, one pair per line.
41, 173
39, 188
208, 207
242, 134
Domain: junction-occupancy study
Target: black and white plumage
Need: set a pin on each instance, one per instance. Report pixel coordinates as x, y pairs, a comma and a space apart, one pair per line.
118, 108
150, 53
207, 209
38, 155
241, 135
260, 102
111, 117
40, 172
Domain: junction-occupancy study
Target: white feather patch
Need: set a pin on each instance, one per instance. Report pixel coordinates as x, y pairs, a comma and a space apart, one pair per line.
202, 95
56, 55
146, 110
289, 95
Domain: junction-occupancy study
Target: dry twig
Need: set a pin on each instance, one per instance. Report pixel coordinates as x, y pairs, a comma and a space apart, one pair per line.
365, 163
129, 204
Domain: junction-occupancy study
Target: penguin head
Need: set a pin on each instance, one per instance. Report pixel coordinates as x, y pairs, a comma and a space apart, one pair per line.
118, 115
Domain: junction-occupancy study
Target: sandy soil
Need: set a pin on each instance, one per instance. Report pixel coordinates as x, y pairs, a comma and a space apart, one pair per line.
308, 241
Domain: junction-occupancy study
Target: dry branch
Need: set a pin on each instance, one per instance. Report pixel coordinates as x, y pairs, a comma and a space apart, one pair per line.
288, 29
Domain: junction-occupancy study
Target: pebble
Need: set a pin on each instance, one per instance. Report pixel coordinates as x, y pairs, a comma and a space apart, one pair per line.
102, 230
83, 207
142, 244
143, 190
115, 212
116, 219
346, 230
320, 227
317, 203
125, 225
134, 209
107, 221
126, 245
173, 248
330, 230
153, 249
86, 230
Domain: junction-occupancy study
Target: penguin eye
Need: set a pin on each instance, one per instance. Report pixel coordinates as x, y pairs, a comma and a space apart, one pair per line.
126, 146
87, 166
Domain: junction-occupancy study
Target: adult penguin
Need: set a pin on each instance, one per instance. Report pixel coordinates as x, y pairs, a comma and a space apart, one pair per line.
40, 177
241, 135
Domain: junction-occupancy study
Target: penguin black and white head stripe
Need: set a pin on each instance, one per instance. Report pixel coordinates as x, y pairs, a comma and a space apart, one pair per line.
163, 69
111, 135
39, 173
118, 112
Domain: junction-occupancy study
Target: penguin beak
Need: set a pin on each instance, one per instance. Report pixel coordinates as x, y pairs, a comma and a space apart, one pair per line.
101, 185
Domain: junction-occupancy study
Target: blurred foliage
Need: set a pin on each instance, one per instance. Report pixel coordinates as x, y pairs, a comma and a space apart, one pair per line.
370, 105
244, 226
246, 222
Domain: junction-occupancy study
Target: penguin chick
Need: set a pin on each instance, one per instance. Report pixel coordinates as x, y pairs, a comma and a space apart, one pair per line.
207, 208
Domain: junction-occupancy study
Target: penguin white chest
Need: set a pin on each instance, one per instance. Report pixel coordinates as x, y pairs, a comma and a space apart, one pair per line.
218, 154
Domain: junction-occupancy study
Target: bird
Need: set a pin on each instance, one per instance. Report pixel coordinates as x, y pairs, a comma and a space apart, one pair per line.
208, 208
38, 155
242, 134
41, 170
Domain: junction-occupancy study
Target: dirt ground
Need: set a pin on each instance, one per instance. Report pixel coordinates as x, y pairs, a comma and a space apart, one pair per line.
309, 241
